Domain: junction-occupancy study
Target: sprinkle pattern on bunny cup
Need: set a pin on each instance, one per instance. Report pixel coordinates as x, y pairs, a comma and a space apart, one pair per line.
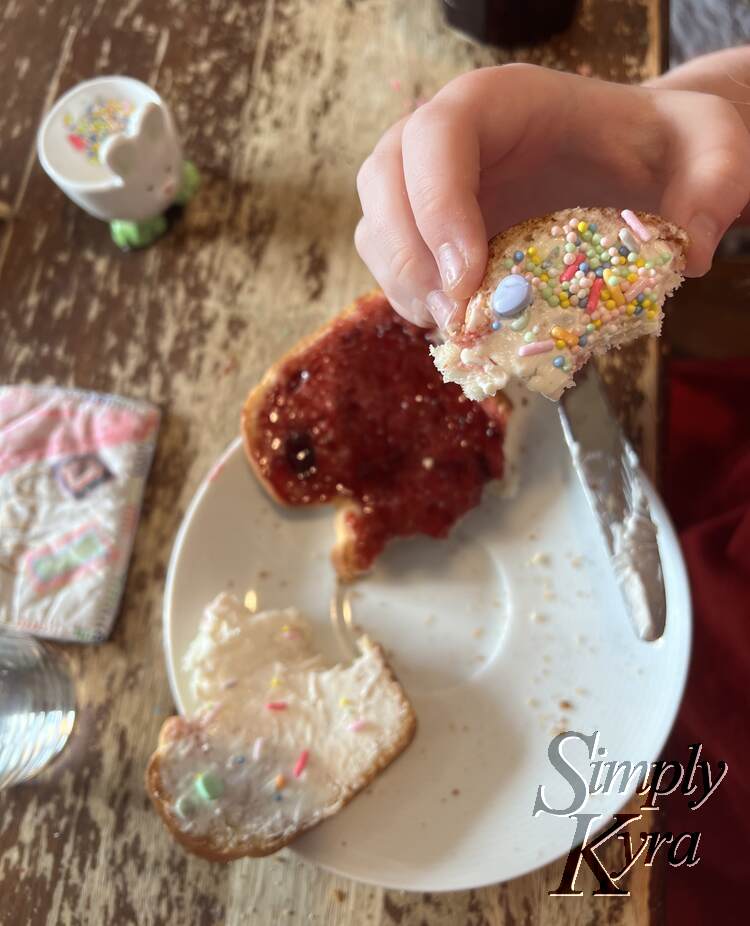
111, 145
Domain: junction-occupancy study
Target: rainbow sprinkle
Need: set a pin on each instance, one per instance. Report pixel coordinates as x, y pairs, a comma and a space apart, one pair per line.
100, 119
209, 786
301, 762
608, 278
276, 705
636, 225
535, 347
356, 726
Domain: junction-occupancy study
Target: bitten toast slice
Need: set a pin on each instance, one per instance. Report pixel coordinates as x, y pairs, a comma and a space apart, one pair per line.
557, 290
356, 415
279, 742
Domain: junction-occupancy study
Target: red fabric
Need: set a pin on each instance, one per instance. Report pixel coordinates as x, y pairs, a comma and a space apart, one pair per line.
707, 489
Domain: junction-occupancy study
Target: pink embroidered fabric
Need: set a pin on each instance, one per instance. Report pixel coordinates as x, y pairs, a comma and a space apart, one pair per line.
73, 467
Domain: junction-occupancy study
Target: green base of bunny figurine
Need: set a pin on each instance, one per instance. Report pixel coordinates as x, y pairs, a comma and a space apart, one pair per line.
128, 235
191, 180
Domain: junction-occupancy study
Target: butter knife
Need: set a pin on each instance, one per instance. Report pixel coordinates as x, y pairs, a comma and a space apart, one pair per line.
610, 473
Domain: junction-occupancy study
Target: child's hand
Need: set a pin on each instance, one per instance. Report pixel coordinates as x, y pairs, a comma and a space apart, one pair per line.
500, 145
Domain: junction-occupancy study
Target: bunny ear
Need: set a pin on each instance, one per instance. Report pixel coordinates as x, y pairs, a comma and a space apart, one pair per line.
118, 153
152, 123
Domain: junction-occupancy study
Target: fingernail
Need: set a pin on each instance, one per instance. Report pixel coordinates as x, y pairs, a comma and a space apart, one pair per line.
441, 307
452, 265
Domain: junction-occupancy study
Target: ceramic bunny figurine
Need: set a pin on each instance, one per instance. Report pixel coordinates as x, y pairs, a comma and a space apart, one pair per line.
111, 146
154, 176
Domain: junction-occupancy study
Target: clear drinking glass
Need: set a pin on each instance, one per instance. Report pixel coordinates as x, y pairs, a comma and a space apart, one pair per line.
37, 706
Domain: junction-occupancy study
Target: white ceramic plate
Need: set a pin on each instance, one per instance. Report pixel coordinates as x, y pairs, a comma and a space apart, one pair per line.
504, 634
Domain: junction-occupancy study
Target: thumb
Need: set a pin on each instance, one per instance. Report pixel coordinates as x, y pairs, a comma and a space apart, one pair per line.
709, 184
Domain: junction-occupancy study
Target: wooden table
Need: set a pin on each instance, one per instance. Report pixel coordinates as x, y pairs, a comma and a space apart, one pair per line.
278, 102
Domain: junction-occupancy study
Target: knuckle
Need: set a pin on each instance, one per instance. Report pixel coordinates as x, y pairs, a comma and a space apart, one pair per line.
402, 265
427, 192
518, 69
740, 145
431, 201
431, 206
396, 264
731, 130
416, 128
719, 108
421, 122
416, 123
476, 84
727, 161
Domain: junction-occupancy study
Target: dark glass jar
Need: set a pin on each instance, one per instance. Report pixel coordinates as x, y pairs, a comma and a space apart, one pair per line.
507, 23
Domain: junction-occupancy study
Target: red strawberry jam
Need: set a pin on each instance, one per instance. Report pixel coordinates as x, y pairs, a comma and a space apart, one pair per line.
363, 414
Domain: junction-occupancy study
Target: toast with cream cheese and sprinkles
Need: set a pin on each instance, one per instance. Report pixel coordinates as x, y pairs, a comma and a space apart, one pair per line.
357, 416
278, 742
558, 290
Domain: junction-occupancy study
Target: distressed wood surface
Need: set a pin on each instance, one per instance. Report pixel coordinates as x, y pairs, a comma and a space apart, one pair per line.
278, 103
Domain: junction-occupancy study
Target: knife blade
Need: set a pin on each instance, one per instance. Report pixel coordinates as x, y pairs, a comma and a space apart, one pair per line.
610, 474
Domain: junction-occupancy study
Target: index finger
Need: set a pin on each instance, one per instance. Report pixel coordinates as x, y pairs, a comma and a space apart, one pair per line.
470, 126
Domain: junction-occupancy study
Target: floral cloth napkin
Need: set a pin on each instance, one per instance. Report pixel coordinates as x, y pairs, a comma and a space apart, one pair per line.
73, 467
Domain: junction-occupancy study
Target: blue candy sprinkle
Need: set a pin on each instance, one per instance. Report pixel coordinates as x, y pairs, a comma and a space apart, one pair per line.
583, 303
640, 297
518, 257
623, 250
496, 326
277, 796
238, 760
638, 309
584, 267
582, 340
599, 272
558, 362
511, 296
592, 226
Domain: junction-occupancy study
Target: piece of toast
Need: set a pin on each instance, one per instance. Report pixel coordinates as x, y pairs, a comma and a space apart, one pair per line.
356, 415
558, 290
279, 742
